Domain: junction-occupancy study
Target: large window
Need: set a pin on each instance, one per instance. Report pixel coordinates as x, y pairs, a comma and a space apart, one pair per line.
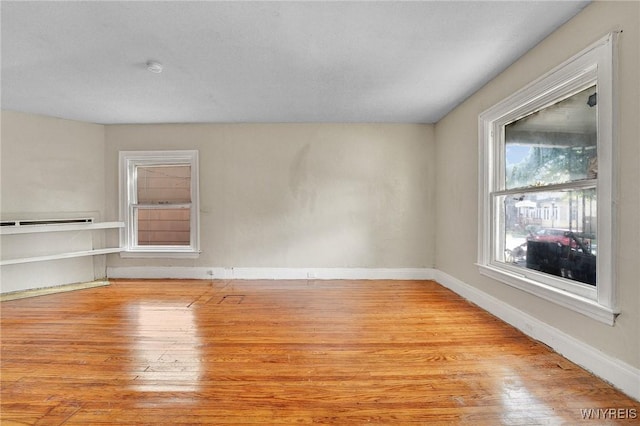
546, 186
159, 202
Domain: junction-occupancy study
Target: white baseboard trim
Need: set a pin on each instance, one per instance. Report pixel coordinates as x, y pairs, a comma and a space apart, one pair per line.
620, 374
271, 273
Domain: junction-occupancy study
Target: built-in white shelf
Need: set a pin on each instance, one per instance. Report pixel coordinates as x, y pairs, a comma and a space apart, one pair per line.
32, 229
68, 255
20, 227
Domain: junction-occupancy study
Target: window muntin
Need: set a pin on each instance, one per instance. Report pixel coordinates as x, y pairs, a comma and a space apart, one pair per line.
581, 196
159, 202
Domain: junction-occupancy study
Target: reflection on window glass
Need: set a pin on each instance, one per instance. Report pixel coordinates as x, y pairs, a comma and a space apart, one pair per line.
163, 184
556, 144
551, 232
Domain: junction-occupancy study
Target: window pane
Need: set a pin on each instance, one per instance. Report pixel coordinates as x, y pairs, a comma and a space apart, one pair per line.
551, 232
163, 227
164, 184
556, 144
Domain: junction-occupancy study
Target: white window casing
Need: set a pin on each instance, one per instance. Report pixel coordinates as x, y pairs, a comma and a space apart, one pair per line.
594, 65
129, 163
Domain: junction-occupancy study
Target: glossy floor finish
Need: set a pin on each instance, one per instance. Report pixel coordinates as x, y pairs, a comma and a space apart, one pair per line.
270, 352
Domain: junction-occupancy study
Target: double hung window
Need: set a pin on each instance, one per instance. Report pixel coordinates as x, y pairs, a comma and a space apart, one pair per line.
159, 202
546, 186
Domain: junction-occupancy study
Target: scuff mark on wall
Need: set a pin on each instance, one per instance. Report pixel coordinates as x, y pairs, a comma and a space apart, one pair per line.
300, 182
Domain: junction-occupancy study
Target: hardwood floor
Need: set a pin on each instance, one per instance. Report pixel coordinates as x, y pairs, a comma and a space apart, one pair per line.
283, 352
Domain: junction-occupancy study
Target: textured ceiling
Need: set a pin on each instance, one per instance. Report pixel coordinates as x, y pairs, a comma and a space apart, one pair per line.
262, 61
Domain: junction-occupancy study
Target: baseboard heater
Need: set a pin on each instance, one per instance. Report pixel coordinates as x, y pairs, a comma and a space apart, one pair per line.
31, 222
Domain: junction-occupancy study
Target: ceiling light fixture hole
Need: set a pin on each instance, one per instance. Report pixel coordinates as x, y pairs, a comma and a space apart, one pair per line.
154, 67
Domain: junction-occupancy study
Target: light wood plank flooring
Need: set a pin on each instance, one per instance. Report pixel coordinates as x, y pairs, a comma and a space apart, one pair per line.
283, 352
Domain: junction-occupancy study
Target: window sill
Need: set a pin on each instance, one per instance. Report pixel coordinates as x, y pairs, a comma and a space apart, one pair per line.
580, 304
148, 254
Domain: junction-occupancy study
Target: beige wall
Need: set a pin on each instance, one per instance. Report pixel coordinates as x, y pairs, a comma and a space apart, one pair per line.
50, 168
299, 195
457, 179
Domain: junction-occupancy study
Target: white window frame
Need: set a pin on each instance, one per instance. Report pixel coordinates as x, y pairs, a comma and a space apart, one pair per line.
129, 161
595, 64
